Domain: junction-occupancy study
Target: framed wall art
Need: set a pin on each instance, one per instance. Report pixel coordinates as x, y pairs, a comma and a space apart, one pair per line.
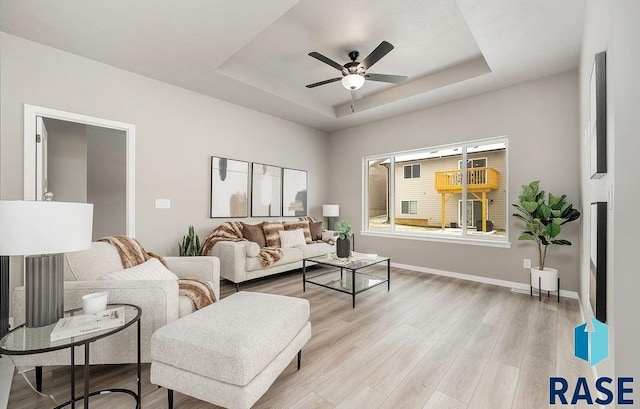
598, 260
266, 190
229, 187
598, 116
294, 192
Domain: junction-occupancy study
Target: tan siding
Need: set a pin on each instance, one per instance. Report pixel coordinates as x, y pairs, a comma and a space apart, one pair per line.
429, 200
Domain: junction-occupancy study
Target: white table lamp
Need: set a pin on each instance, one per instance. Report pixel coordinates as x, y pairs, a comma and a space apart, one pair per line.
330, 211
42, 231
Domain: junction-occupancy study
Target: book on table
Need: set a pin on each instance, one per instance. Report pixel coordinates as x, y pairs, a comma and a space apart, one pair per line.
83, 324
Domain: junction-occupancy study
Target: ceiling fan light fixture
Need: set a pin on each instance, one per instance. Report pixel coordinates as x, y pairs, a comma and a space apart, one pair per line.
353, 81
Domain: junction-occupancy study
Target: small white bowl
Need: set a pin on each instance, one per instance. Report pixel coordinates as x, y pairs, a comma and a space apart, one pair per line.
95, 302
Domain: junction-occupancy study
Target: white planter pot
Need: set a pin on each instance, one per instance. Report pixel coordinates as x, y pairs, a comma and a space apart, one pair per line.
546, 279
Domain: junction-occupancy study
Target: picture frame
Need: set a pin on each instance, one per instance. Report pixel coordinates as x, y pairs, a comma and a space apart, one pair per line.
266, 190
598, 116
598, 260
294, 192
229, 188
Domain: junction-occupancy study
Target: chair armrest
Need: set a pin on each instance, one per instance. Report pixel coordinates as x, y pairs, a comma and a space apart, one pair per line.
157, 298
233, 259
197, 268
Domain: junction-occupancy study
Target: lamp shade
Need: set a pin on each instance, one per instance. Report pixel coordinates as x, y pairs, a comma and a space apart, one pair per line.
43, 227
353, 81
330, 210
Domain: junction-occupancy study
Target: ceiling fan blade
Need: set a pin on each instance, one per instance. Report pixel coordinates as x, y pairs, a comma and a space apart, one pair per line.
380, 51
395, 79
326, 60
316, 84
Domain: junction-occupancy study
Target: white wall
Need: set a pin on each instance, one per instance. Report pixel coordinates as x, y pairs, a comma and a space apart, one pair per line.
67, 160
612, 26
107, 180
176, 133
540, 118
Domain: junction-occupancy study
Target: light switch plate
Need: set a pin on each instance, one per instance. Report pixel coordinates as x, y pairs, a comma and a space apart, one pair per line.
163, 203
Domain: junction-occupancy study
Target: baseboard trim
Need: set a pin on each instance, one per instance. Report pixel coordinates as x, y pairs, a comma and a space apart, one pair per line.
517, 287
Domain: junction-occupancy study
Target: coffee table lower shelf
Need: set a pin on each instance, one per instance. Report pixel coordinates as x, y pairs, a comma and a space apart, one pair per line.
342, 277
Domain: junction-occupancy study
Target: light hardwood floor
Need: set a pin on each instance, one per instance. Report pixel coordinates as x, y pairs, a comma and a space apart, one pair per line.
431, 342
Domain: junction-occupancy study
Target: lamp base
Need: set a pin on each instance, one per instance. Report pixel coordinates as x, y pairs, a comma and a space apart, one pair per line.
44, 286
4, 295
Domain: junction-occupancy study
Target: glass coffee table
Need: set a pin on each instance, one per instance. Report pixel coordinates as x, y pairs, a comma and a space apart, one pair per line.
351, 275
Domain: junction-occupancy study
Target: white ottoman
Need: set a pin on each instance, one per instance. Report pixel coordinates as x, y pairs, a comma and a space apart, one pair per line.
229, 353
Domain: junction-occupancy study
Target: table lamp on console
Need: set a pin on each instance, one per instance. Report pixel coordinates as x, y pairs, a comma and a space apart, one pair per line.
41, 231
330, 211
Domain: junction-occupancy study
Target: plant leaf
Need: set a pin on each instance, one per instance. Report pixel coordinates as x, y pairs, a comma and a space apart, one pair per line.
561, 242
526, 236
553, 230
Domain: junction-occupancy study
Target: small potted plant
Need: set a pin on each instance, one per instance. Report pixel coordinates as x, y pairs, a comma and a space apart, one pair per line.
190, 245
343, 244
543, 217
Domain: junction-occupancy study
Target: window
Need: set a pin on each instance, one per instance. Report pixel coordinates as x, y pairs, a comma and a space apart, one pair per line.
409, 207
440, 184
412, 171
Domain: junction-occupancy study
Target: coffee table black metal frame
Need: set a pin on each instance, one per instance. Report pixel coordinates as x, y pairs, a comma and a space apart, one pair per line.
353, 265
73, 342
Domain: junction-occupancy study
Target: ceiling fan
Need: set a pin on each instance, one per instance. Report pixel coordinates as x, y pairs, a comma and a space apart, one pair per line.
354, 73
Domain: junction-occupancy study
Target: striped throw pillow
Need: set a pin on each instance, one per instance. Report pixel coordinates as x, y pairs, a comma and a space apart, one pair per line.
271, 235
302, 224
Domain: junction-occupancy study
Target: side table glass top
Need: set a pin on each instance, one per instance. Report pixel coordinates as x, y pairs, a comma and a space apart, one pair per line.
23, 340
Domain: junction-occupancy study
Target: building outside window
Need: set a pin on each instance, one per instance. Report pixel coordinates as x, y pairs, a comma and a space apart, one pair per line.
438, 185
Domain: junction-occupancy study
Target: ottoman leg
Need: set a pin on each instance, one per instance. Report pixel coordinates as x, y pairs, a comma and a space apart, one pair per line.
170, 398
299, 359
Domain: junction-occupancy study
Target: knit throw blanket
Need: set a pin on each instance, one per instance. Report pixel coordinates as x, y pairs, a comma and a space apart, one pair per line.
132, 253
232, 231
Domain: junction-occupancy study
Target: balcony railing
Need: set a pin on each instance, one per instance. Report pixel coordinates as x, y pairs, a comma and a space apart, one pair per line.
478, 179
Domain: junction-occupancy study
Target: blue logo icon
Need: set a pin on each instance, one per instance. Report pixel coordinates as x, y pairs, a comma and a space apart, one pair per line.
592, 347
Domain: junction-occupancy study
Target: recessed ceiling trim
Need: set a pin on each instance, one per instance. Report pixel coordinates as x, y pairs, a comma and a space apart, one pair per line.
459, 72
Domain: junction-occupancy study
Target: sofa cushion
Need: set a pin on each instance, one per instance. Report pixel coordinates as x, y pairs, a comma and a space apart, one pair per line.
252, 249
271, 234
254, 233
316, 249
292, 238
232, 340
302, 224
91, 264
316, 230
290, 255
151, 269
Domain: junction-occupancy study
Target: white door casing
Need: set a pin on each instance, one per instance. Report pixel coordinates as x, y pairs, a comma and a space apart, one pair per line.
42, 138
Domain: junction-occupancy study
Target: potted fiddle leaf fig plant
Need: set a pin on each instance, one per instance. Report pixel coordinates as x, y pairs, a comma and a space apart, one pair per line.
544, 215
343, 244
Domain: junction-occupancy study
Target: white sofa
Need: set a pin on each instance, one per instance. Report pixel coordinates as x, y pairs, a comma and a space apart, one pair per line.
160, 302
237, 267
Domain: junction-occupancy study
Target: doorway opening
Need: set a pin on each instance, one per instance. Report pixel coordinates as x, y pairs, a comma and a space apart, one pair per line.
77, 158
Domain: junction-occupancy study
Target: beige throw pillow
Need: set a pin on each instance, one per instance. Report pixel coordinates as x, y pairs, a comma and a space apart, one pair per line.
151, 269
292, 238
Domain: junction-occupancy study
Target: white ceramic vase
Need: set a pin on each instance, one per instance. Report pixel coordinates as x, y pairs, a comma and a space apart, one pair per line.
546, 280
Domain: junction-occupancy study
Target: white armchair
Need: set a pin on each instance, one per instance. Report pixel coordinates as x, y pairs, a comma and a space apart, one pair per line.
159, 301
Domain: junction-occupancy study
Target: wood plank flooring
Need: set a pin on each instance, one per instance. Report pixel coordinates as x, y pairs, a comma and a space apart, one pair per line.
432, 342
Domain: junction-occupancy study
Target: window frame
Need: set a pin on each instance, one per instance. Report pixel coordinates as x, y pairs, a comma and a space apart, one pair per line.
411, 167
464, 238
408, 202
